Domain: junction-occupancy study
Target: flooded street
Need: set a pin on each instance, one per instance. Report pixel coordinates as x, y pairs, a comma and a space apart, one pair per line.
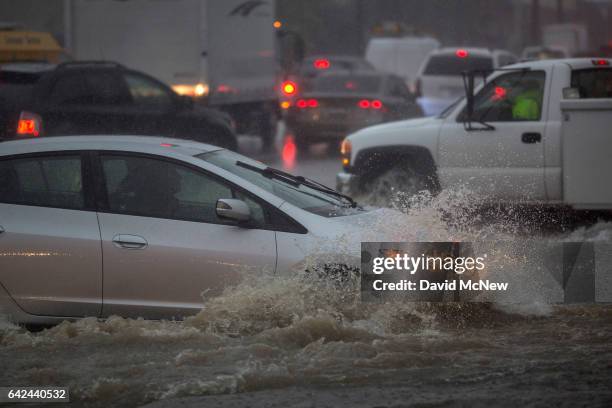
301, 341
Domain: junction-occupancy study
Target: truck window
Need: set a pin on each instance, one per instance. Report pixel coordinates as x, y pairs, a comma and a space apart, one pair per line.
511, 97
593, 83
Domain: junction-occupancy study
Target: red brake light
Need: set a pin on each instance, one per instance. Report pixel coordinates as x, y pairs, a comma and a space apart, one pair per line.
376, 104
313, 103
500, 92
601, 62
364, 104
29, 124
321, 63
461, 53
289, 88
301, 103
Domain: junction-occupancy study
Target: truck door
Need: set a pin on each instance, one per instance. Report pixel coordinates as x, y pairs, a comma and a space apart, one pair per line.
503, 155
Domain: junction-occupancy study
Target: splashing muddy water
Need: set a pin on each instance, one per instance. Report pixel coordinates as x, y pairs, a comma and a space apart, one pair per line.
302, 340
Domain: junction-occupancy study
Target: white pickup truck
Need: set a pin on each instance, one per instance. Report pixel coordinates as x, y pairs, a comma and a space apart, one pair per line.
539, 132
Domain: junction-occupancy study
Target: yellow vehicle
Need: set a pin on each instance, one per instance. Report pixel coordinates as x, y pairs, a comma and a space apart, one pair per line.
26, 46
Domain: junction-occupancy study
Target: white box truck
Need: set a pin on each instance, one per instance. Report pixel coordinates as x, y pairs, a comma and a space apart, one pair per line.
223, 50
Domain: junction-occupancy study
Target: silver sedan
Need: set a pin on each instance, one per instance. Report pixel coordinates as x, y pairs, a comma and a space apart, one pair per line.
141, 226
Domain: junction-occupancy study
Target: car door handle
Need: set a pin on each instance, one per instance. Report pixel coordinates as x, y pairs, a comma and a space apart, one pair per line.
129, 241
531, 137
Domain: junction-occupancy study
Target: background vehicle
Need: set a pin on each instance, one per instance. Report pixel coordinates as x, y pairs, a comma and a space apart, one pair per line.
540, 52
440, 81
100, 97
401, 56
157, 222
19, 45
538, 133
222, 50
337, 103
314, 66
573, 38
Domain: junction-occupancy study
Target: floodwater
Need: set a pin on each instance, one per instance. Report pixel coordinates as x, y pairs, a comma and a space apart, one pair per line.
305, 341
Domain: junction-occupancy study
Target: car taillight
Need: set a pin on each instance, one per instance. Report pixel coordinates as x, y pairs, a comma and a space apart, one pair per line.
321, 63
364, 104
601, 62
30, 124
461, 53
370, 104
289, 88
307, 103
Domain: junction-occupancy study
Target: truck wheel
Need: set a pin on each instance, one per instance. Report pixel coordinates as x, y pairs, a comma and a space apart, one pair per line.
399, 184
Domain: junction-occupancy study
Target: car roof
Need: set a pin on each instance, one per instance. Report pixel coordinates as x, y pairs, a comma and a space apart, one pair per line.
143, 144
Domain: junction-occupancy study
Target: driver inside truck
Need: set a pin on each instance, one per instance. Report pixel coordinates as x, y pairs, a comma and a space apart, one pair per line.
528, 103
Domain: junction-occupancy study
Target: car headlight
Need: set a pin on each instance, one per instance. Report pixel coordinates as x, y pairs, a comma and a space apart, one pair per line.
345, 153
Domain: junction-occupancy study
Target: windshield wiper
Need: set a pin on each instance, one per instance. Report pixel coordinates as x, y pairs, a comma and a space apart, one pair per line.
271, 172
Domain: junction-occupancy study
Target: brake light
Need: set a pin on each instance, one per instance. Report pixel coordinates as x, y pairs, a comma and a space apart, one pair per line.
307, 103
376, 104
289, 88
321, 63
461, 53
364, 104
601, 62
29, 124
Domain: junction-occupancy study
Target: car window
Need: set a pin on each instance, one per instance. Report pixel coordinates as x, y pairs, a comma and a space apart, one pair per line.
178, 192
397, 88
145, 91
107, 87
593, 83
88, 88
346, 84
302, 196
452, 65
42, 181
70, 90
511, 97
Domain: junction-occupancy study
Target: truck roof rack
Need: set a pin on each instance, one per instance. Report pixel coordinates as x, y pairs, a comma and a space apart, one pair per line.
93, 63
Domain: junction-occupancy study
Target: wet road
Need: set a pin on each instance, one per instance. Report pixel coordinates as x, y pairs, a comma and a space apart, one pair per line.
320, 163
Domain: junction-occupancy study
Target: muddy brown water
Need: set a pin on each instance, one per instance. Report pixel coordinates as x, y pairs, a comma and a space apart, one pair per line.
298, 341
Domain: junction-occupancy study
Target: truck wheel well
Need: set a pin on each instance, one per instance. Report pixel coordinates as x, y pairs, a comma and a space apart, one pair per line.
372, 163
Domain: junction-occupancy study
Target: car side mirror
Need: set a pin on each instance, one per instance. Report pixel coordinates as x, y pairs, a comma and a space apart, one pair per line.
232, 209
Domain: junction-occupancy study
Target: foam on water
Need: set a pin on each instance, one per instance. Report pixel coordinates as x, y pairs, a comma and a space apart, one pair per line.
302, 329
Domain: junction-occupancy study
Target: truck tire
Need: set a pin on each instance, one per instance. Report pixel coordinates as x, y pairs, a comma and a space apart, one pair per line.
399, 185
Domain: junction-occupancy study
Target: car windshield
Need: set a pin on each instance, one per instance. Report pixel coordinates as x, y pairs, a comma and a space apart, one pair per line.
300, 195
364, 84
451, 65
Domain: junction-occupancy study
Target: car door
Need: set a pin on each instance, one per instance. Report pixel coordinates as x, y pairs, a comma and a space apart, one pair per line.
163, 244
50, 254
503, 156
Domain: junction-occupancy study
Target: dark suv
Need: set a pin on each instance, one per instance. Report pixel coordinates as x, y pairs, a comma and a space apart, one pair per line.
80, 98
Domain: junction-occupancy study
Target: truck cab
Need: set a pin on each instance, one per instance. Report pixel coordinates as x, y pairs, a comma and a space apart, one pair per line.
534, 132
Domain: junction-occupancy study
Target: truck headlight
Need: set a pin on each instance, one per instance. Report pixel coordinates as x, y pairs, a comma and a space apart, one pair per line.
345, 153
